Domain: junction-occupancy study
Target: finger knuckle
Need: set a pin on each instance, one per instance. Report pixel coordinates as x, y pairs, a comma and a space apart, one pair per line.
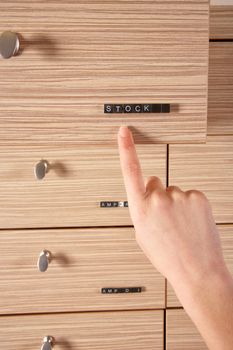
151, 180
196, 195
174, 191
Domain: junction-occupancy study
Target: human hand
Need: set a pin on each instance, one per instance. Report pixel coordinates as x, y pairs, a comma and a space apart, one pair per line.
177, 232
175, 229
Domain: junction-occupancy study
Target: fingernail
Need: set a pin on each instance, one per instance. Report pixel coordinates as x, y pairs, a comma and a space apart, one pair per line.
124, 131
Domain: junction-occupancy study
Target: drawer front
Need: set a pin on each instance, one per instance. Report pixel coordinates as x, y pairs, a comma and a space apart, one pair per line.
221, 19
133, 330
207, 168
181, 333
77, 57
220, 109
226, 234
81, 263
78, 180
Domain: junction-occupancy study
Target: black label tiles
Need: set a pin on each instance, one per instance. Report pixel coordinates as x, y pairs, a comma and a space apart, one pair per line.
121, 290
113, 204
137, 108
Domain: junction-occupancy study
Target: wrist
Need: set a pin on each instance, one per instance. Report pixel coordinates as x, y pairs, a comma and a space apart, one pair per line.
193, 287
209, 303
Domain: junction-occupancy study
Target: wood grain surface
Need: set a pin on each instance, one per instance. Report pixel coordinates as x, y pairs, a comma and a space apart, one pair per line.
181, 333
70, 194
226, 234
220, 102
133, 330
83, 262
221, 19
78, 55
207, 168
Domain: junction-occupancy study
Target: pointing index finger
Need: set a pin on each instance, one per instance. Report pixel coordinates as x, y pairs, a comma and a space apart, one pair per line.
130, 166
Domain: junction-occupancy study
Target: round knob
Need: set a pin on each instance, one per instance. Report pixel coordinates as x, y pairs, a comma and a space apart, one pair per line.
41, 169
44, 260
9, 44
47, 343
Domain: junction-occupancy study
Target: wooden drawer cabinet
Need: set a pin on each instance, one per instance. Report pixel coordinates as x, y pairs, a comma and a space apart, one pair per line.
83, 261
76, 57
226, 234
78, 180
208, 168
220, 109
133, 330
181, 333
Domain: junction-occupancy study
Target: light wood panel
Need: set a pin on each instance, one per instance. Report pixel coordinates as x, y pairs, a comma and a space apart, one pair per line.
220, 104
91, 331
70, 194
208, 168
221, 19
181, 333
226, 234
78, 55
83, 262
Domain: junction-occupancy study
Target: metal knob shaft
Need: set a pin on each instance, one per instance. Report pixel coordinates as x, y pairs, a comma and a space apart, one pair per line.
47, 343
41, 169
44, 260
9, 44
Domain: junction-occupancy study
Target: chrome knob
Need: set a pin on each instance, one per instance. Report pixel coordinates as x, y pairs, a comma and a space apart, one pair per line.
41, 169
44, 260
9, 44
47, 343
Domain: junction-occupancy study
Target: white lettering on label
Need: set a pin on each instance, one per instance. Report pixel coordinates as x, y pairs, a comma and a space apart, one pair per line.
128, 108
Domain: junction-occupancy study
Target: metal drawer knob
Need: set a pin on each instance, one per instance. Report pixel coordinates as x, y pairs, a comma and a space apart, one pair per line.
47, 343
9, 44
44, 260
41, 169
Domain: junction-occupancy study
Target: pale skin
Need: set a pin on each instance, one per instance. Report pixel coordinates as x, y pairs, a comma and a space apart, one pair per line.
177, 232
